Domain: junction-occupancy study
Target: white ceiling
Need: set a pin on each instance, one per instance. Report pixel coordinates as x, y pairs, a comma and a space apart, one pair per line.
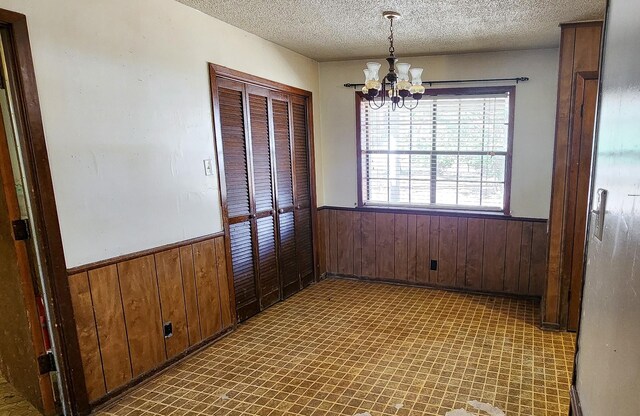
348, 29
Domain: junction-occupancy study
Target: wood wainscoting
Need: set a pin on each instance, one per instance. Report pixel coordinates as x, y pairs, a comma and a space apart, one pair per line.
121, 307
483, 253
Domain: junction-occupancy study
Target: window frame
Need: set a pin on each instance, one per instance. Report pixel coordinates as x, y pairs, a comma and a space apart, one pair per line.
506, 210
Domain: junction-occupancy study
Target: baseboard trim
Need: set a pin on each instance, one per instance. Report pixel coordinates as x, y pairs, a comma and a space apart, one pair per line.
550, 326
576, 407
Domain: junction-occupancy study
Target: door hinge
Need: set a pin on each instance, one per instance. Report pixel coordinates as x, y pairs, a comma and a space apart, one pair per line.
21, 230
46, 363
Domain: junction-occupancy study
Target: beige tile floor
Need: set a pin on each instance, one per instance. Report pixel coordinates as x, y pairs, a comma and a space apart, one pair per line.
345, 347
12, 404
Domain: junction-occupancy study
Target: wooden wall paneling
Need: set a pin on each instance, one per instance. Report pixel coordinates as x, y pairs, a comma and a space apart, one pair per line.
172, 304
401, 251
512, 256
481, 254
447, 251
87, 335
110, 325
538, 259
423, 253
142, 313
385, 257
226, 305
204, 261
368, 229
190, 294
461, 259
475, 253
344, 223
357, 244
412, 253
333, 242
495, 239
434, 243
323, 234
525, 258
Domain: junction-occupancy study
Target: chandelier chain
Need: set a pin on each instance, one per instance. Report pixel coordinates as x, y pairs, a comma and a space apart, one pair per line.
391, 48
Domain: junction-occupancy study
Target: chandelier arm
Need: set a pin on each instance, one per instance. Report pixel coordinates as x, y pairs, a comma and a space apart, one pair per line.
411, 108
374, 106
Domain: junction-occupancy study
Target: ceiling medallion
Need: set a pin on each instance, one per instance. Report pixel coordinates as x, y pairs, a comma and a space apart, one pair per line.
395, 86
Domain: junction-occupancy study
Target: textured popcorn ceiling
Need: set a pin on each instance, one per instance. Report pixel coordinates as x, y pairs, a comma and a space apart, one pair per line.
347, 29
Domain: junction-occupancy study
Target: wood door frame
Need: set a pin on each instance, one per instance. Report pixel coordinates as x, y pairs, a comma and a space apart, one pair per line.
46, 217
573, 193
216, 71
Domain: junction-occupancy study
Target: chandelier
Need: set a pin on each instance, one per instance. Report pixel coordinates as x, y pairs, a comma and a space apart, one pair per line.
395, 86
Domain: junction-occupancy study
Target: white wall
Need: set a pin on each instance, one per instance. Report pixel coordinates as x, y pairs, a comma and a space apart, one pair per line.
534, 121
125, 100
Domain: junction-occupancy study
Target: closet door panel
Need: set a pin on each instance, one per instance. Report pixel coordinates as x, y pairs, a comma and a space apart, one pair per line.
234, 132
304, 245
263, 183
284, 174
261, 150
267, 260
246, 290
288, 260
230, 96
282, 139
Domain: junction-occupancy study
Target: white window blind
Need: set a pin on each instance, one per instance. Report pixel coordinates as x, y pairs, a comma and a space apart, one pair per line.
449, 152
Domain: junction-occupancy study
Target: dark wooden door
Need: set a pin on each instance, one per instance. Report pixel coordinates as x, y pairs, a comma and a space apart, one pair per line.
281, 105
302, 187
263, 189
577, 203
240, 204
246, 130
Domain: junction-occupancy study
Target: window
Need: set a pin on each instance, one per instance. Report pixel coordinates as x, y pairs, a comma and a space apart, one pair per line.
453, 151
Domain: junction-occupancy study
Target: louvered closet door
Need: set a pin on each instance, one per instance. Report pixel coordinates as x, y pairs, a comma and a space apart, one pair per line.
286, 225
302, 190
262, 161
235, 144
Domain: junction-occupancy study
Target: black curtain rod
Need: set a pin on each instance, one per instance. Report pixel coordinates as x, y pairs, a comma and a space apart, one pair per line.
455, 81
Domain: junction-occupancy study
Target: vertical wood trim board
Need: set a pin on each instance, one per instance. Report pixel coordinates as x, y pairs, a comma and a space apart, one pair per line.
491, 255
120, 310
579, 52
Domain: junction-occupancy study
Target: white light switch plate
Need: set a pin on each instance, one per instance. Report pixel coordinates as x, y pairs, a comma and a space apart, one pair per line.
208, 167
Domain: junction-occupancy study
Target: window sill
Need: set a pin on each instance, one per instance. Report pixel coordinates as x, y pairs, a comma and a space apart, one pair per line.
437, 211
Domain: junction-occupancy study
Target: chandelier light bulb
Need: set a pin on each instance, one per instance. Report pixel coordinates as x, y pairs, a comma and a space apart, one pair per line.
416, 81
374, 68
